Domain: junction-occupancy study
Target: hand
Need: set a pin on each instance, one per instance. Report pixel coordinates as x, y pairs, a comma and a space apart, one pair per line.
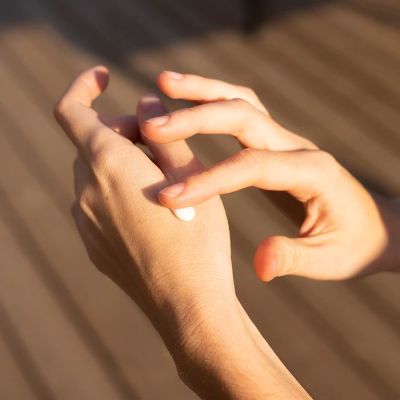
179, 273
129, 236
346, 232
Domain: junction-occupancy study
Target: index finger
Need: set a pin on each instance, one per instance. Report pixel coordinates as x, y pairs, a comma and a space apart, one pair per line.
73, 111
205, 90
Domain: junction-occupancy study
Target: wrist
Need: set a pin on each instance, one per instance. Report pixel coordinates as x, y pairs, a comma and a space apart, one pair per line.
222, 355
205, 333
184, 306
190, 321
214, 353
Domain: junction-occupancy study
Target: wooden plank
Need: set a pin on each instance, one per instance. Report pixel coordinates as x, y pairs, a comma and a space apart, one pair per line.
340, 91
21, 379
376, 75
13, 368
365, 33
57, 352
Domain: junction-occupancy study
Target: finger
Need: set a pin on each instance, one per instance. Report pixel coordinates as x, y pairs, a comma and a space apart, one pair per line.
125, 125
204, 90
233, 117
301, 173
175, 159
73, 111
279, 256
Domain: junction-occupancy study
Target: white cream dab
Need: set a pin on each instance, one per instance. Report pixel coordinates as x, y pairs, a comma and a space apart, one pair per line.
185, 214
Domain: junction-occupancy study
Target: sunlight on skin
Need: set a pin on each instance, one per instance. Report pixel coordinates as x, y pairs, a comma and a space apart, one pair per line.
179, 274
340, 213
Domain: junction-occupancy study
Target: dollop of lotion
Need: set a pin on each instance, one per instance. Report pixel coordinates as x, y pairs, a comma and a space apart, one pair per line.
185, 214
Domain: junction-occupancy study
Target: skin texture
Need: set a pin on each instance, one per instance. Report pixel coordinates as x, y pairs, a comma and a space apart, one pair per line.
179, 273
341, 215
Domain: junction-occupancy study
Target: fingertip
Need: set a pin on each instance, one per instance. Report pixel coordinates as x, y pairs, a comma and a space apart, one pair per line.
101, 69
167, 82
182, 195
266, 259
83, 89
170, 76
102, 76
150, 132
149, 110
264, 270
148, 106
177, 203
87, 86
150, 98
170, 202
165, 200
161, 80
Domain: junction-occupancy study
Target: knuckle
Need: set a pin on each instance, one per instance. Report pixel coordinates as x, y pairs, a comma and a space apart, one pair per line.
105, 158
248, 92
60, 110
327, 160
321, 165
240, 103
79, 216
85, 209
109, 166
245, 111
254, 162
83, 202
252, 158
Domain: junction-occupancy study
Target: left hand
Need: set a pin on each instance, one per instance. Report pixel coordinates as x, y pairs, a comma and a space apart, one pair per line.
158, 260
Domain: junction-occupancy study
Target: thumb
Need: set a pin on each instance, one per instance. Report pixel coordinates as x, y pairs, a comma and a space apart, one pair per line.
279, 256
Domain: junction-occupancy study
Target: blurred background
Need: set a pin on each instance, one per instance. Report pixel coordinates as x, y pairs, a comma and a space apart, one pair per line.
329, 70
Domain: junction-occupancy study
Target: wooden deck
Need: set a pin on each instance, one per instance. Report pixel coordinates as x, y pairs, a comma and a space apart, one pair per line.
330, 71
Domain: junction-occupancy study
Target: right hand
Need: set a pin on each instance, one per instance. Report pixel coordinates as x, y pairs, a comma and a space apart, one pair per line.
344, 233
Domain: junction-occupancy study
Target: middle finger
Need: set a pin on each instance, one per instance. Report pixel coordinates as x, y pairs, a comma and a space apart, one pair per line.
234, 117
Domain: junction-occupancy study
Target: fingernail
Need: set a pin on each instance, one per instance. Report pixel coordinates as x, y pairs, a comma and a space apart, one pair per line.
174, 75
174, 190
150, 96
158, 121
